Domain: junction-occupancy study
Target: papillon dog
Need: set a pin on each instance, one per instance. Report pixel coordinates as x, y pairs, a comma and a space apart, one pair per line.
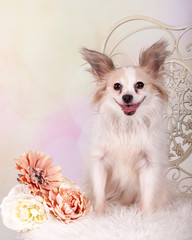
128, 159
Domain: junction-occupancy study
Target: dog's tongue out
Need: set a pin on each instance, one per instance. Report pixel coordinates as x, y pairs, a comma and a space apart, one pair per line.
129, 109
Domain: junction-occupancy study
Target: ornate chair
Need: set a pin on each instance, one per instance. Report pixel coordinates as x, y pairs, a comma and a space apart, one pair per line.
122, 44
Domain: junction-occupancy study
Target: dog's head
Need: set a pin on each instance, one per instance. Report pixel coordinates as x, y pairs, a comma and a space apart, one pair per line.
129, 88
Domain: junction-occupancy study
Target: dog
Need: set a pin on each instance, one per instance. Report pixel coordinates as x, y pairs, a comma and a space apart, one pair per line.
128, 160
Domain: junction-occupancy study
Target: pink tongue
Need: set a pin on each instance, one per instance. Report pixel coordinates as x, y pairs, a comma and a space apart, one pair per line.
132, 108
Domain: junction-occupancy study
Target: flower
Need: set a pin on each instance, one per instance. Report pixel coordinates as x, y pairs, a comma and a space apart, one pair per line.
44, 193
68, 202
21, 211
38, 173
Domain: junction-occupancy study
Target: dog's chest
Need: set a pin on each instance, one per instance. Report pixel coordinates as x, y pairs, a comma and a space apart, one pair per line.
124, 156
125, 147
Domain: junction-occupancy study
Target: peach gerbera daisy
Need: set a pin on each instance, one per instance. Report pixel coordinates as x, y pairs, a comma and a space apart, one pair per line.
38, 173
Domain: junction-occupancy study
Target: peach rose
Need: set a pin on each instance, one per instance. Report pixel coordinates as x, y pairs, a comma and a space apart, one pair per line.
68, 203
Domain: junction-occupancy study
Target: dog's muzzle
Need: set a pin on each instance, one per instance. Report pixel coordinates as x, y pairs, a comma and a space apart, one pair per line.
130, 109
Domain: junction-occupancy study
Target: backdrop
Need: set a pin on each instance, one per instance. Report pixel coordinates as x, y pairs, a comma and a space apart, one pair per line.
44, 90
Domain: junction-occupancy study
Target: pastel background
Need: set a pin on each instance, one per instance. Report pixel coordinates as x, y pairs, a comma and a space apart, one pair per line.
44, 89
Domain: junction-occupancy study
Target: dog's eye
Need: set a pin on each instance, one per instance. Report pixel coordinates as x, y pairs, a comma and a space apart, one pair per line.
139, 85
117, 86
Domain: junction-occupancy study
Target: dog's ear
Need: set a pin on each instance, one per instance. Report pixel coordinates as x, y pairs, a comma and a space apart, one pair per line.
153, 58
100, 63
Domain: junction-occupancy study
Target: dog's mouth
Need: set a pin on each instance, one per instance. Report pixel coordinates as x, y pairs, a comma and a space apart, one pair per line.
130, 109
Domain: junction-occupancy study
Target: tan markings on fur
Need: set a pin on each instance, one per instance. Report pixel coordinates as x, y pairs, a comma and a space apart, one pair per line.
162, 92
157, 84
153, 58
115, 76
100, 91
100, 63
109, 80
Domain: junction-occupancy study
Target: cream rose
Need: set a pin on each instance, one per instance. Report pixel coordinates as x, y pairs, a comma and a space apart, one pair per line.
21, 211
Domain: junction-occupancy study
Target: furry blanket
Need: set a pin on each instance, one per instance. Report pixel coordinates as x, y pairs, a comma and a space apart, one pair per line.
122, 223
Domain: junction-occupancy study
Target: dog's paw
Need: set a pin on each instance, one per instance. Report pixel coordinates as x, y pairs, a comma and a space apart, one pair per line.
99, 207
147, 209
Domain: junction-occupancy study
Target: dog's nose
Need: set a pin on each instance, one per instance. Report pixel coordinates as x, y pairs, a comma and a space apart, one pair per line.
127, 98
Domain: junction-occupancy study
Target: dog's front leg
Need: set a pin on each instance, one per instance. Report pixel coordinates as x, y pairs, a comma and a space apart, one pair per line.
150, 181
99, 177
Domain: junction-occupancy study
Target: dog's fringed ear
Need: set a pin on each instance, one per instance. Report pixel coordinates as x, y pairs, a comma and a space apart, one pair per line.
100, 63
153, 58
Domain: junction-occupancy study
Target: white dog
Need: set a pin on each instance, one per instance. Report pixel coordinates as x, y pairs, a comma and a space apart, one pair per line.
128, 155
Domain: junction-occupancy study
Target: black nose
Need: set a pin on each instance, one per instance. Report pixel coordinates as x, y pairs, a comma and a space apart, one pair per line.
127, 98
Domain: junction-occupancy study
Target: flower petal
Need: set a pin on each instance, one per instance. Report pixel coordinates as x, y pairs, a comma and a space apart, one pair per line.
53, 170
44, 162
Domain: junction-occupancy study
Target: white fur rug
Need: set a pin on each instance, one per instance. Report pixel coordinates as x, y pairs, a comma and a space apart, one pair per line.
123, 223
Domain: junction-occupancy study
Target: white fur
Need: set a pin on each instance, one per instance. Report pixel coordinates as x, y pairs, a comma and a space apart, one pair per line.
128, 155
122, 223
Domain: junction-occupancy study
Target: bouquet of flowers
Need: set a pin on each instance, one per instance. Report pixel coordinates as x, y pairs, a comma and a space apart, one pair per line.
43, 193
